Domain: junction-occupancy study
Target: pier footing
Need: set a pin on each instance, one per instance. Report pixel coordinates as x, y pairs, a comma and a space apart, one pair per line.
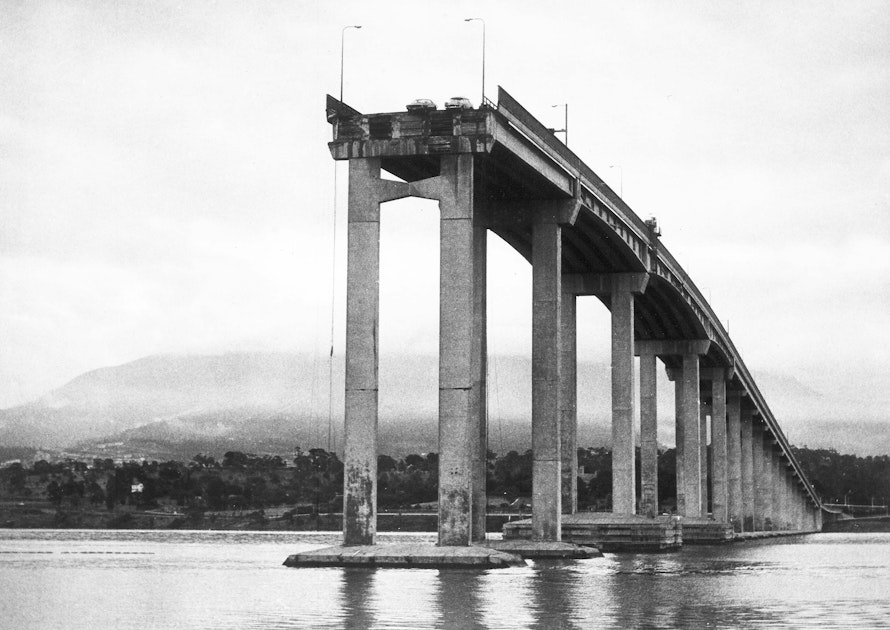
702, 531
415, 556
611, 532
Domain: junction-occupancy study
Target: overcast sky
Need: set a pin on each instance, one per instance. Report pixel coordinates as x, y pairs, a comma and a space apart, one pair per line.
165, 184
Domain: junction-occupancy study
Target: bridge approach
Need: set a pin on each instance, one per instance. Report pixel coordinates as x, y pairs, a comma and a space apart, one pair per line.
498, 168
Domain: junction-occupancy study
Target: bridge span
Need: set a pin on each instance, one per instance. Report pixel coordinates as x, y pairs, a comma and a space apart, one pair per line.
498, 168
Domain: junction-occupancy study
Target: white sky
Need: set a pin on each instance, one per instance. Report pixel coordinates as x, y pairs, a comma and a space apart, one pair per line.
165, 184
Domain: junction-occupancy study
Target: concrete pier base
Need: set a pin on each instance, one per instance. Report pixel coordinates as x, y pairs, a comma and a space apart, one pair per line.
611, 532
406, 556
705, 531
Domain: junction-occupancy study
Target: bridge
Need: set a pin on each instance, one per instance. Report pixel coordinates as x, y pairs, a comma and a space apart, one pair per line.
498, 168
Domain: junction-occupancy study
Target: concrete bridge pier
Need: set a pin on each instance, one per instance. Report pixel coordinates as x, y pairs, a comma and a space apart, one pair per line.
777, 484
767, 481
461, 311
705, 412
568, 404
624, 286
690, 411
734, 459
760, 487
648, 434
719, 447
546, 359
366, 193
747, 438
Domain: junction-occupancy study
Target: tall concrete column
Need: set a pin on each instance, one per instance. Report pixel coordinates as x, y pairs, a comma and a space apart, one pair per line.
787, 502
648, 436
366, 192
757, 470
458, 345
719, 485
747, 439
703, 454
734, 459
691, 435
680, 438
546, 351
568, 403
623, 466
767, 481
776, 486
480, 380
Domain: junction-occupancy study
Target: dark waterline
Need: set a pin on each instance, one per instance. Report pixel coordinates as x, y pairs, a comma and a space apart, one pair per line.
159, 579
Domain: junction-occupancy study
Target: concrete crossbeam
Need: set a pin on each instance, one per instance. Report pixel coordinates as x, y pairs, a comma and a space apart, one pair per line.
605, 283
672, 347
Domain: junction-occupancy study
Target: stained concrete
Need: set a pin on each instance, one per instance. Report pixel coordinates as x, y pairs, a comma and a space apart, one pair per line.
734, 460
413, 555
623, 467
719, 454
568, 404
546, 360
611, 532
648, 436
747, 470
691, 436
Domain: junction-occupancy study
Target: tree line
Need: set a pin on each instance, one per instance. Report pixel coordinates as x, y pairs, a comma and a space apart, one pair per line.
313, 479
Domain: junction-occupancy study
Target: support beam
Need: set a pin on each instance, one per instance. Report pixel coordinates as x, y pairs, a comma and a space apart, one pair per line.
568, 403
719, 457
747, 471
768, 481
757, 472
777, 484
546, 351
623, 466
734, 459
458, 415
704, 411
691, 435
648, 436
680, 438
480, 378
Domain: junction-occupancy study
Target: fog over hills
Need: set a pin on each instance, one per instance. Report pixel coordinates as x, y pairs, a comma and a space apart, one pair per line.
183, 404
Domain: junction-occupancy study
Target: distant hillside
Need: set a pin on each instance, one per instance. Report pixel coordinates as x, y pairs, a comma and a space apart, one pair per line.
275, 401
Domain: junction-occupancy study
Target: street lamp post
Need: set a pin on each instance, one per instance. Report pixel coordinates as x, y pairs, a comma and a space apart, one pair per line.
476, 19
342, 44
620, 179
565, 126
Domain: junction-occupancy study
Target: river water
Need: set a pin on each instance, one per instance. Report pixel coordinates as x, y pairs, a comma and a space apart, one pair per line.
172, 579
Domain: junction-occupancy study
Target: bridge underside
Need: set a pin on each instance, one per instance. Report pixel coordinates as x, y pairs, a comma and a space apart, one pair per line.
499, 169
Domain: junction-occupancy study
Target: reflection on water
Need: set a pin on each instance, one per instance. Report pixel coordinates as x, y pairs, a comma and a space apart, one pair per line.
90, 579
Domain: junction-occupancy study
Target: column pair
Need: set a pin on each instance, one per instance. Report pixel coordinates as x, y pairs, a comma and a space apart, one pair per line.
462, 445
618, 290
